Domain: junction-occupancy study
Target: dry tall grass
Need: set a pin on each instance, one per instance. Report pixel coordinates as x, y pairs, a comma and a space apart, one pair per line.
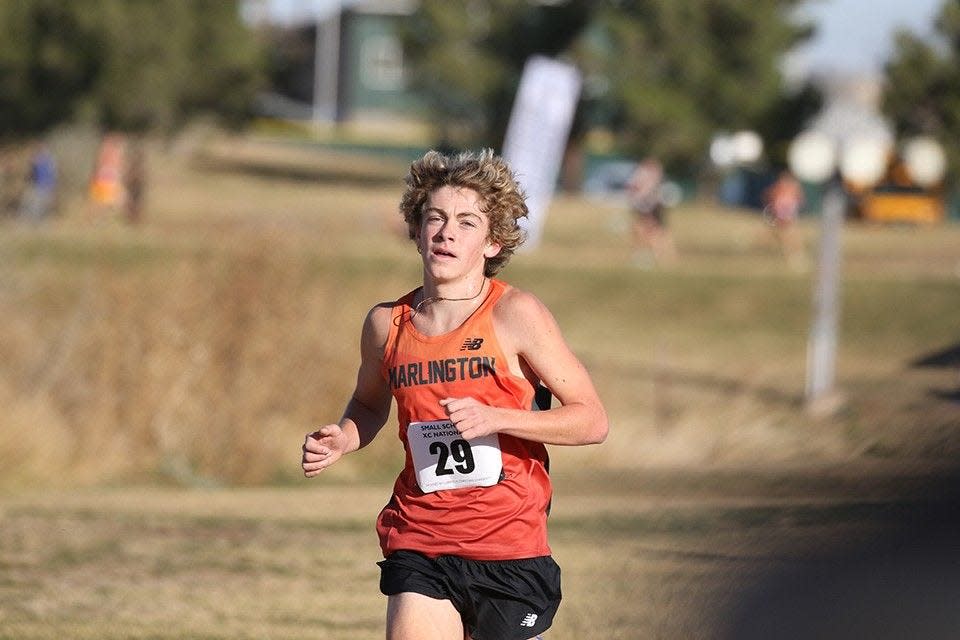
198, 348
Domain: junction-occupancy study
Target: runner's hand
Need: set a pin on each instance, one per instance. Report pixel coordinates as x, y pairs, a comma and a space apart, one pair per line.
472, 418
321, 449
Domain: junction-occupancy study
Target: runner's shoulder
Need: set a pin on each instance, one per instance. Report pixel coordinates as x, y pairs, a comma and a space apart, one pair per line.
376, 326
517, 308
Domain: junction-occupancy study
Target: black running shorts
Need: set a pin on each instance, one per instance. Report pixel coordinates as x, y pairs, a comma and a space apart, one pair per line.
497, 600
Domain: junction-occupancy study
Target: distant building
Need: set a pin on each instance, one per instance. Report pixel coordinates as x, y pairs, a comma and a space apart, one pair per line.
357, 70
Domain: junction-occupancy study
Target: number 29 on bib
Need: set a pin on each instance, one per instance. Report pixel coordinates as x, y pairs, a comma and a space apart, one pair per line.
444, 460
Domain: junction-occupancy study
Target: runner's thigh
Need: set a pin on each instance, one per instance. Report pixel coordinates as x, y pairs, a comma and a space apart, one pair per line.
412, 616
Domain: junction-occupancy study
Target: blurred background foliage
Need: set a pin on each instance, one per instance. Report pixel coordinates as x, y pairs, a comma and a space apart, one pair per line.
132, 65
660, 76
665, 76
923, 83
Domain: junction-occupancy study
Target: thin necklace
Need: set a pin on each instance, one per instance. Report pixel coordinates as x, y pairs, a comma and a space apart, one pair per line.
416, 309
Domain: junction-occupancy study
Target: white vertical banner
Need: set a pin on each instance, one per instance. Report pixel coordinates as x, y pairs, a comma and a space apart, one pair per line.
537, 134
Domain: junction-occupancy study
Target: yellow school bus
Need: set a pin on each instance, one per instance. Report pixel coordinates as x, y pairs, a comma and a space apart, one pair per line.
897, 199
894, 203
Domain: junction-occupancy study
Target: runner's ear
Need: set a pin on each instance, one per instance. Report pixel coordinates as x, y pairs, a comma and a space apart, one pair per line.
493, 248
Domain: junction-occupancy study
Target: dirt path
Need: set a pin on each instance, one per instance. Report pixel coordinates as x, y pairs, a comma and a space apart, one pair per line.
644, 555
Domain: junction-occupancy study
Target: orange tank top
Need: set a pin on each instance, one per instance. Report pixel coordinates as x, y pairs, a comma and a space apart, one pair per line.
499, 517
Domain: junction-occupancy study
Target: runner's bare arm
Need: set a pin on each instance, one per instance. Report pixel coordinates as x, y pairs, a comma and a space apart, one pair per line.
529, 333
368, 408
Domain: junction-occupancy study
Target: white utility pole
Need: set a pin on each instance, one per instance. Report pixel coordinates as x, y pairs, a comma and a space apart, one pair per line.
822, 344
326, 68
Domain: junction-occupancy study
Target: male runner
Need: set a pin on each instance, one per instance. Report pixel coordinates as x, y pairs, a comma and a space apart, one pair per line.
464, 534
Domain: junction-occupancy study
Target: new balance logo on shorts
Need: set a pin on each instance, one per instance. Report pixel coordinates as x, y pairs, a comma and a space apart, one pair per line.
472, 344
529, 620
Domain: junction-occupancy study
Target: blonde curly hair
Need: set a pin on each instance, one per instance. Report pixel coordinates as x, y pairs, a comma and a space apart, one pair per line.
501, 197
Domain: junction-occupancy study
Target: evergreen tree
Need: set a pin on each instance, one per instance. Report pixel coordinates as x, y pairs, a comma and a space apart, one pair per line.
468, 57
125, 64
678, 71
922, 89
662, 75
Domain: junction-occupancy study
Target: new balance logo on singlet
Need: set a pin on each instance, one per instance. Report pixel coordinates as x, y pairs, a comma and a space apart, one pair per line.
529, 620
472, 344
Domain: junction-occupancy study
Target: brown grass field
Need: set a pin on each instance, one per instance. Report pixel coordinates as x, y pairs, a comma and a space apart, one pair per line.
157, 382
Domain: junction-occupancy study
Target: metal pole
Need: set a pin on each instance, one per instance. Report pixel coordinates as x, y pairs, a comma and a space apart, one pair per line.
822, 344
326, 68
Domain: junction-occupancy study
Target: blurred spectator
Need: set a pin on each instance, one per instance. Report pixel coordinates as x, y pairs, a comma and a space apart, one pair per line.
652, 242
135, 181
40, 196
782, 202
106, 188
10, 185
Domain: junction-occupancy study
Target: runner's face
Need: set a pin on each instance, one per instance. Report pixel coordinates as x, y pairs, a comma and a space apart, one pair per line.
453, 234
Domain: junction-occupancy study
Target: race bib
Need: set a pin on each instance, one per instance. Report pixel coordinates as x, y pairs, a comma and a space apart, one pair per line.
444, 460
